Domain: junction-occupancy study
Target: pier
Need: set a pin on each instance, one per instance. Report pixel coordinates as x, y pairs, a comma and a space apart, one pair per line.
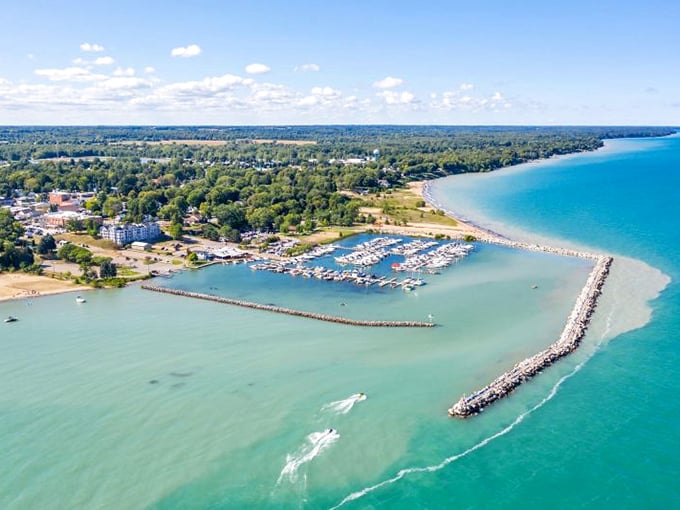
572, 334
290, 311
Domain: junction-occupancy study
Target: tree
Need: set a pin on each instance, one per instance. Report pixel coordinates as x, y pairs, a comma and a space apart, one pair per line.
74, 253
211, 232
230, 215
74, 225
175, 230
10, 230
107, 269
15, 257
46, 245
112, 206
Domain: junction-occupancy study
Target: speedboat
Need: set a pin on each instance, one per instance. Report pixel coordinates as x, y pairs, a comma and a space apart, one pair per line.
80, 299
11, 319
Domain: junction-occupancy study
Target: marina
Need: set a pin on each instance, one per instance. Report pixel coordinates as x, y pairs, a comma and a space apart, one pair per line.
418, 257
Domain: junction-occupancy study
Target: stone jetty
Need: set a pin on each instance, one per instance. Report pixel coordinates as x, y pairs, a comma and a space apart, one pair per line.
574, 331
290, 311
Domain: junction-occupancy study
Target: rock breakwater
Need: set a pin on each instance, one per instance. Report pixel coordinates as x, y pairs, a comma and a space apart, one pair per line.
290, 311
572, 334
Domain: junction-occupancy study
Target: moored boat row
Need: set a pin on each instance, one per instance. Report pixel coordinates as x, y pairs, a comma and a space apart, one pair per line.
442, 257
322, 273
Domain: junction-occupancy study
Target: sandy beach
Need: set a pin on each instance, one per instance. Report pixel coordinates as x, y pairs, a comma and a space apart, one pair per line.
25, 285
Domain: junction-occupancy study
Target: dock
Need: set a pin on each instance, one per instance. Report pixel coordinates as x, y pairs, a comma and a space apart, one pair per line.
572, 334
290, 311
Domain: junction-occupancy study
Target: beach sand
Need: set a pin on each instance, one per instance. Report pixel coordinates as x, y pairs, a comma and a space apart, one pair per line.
25, 285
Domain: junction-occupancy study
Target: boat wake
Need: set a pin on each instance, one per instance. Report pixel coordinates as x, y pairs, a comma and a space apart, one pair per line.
315, 444
344, 406
436, 467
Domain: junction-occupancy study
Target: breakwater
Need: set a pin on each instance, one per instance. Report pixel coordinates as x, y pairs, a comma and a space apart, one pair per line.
290, 311
572, 334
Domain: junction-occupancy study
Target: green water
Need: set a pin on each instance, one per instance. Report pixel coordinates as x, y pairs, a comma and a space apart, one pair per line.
141, 400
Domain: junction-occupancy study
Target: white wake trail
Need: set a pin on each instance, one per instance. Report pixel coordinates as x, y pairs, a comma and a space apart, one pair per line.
344, 406
431, 469
316, 443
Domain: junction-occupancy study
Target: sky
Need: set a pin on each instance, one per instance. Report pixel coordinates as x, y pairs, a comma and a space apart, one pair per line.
257, 62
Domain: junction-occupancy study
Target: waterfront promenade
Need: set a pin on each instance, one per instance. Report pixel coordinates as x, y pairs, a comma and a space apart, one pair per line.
290, 311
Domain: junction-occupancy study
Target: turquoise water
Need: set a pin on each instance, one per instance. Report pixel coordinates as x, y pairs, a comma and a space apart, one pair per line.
141, 400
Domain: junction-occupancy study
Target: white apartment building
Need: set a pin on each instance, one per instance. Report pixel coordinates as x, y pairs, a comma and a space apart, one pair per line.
127, 233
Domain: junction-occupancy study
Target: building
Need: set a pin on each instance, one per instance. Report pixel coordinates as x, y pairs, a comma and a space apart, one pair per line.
127, 233
61, 218
140, 245
59, 197
66, 201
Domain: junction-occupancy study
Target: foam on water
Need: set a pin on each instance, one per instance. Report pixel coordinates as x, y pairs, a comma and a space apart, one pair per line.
315, 444
343, 406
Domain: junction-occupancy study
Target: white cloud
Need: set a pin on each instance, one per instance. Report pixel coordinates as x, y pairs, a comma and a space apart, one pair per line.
257, 69
103, 61
149, 70
388, 83
326, 92
393, 97
91, 47
77, 74
307, 67
124, 82
455, 100
466, 86
321, 96
196, 89
186, 51
124, 72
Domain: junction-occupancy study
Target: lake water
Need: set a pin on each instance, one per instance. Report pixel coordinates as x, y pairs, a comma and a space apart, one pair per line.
141, 400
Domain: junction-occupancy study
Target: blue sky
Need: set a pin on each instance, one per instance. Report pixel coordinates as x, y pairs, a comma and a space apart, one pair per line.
358, 62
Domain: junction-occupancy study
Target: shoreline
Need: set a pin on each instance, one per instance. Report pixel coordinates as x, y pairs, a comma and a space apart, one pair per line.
18, 286
574, 331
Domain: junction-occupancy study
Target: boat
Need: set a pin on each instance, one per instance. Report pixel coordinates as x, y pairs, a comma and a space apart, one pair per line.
80, 299
11, 319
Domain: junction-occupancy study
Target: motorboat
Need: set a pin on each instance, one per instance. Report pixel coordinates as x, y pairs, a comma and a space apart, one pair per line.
11, 319
80, 299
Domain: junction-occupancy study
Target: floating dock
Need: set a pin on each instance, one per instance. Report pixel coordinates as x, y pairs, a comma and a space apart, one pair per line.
290, 311
573, 333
